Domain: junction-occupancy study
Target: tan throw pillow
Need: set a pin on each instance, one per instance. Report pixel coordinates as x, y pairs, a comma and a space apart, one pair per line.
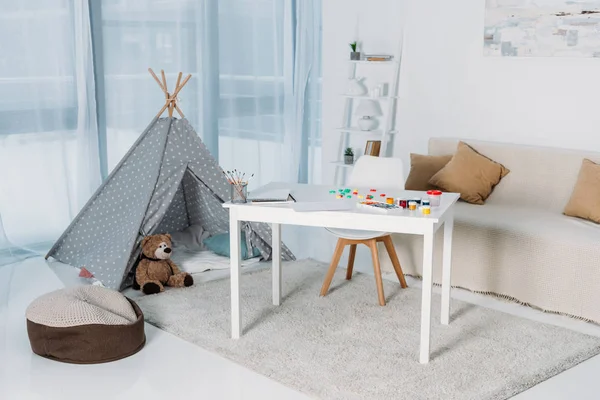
470, 174
585, 199
422, 168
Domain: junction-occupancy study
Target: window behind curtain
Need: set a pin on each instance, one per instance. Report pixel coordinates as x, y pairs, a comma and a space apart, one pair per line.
251, 68
168, 35
137, 35
36, 68
252, 77
40, 143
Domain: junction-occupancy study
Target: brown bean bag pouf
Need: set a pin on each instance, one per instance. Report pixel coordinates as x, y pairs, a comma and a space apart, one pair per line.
85, 325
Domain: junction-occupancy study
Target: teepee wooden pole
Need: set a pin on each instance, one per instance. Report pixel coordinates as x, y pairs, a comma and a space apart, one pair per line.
179, 111
157, 80
162, 110
175, 100
178, 80
164, 81
167, 96
170, 99
187, 78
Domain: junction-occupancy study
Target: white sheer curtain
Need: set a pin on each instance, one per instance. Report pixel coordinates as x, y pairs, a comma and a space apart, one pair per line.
48, 138
305, 110
242, 56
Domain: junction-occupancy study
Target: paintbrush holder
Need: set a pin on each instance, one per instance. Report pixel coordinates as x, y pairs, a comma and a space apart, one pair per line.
239, 192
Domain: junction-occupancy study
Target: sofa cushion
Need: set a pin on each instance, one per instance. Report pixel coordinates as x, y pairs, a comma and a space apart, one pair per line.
530, 220
471, 174
585, 200
422, 168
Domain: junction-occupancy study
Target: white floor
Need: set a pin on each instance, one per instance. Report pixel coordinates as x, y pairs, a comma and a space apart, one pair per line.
169, 367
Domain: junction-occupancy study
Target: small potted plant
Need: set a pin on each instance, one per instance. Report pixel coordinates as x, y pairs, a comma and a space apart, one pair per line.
349, 156
354, 55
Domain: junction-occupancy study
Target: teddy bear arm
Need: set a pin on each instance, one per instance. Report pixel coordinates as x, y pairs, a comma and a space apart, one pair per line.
141, 273
174, 267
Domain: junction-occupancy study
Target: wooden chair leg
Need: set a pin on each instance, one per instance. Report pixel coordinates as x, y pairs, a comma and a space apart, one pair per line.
351, 261
389, 246
339, 249
373, 246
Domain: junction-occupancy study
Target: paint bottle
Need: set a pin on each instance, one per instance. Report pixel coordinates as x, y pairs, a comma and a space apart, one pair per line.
435, 197
426, 210
412, 205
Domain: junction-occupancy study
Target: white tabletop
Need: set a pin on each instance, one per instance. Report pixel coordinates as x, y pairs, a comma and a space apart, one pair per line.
320, 193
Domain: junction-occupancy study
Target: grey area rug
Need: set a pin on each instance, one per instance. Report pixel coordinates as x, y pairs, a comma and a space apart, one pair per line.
345, 346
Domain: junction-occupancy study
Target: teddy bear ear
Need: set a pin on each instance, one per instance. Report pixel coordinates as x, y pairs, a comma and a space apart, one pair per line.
168, 236
145, 240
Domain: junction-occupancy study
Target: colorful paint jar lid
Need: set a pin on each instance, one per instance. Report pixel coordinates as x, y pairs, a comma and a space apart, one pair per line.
373, 190
434, 192
332, 192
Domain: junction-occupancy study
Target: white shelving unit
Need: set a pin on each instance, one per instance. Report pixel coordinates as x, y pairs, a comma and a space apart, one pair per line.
386, 102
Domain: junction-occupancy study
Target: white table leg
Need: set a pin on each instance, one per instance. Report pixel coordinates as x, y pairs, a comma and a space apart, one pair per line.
276, 263
447, 269
235, 260
426, 296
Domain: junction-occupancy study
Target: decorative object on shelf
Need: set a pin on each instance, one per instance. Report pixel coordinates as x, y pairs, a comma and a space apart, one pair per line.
372, 148
383, 88
354, 55
239, 185
375, 91
349, 156
355, 87
378, 57
367, 110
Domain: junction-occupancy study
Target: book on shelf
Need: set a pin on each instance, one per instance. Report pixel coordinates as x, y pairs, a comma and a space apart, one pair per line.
378, 57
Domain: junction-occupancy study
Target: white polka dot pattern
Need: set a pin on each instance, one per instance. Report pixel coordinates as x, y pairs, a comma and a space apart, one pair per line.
166, 182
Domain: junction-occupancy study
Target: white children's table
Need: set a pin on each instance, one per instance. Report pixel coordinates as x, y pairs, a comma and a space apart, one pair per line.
396, 221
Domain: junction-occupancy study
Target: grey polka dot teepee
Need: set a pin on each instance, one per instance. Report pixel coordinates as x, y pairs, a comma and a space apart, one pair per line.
166, 182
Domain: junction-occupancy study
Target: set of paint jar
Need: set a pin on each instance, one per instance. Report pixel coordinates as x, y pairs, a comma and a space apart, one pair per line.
411, 204
433, 200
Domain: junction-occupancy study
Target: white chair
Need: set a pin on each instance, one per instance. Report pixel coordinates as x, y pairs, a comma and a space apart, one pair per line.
369, 172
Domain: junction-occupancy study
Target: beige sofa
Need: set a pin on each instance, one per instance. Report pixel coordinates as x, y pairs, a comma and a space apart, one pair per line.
519, 244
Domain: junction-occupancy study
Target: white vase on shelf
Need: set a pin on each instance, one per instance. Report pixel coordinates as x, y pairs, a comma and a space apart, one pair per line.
367, 110
355, 87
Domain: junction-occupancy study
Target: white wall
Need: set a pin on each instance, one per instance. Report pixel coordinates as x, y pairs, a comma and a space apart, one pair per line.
448, 88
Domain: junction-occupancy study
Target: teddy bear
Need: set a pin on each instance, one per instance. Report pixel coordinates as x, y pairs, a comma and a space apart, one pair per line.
156, 269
